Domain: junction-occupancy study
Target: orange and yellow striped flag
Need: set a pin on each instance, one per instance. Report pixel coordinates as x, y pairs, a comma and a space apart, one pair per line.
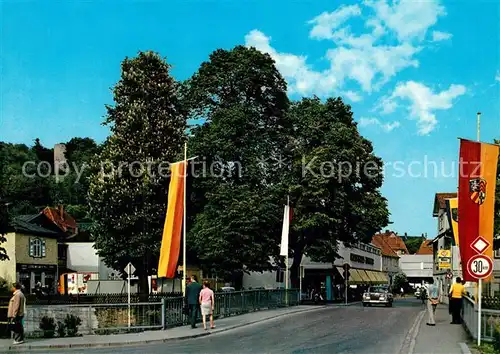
171, 240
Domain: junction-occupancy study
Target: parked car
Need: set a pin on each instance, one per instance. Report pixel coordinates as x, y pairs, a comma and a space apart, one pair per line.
377, 295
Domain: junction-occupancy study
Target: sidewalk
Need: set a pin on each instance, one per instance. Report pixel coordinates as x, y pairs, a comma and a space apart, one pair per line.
444, 338
185, 332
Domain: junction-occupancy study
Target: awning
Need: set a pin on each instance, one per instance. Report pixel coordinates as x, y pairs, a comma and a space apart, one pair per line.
355, 277
364, 276
372, 276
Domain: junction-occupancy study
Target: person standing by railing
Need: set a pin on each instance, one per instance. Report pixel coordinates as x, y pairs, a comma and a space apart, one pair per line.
207, 302
457, 291
192, 294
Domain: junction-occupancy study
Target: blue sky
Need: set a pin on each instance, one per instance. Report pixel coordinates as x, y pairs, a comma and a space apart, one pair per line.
415, 73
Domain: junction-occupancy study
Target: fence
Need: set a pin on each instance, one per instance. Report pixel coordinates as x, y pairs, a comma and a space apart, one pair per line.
169, 312
489, 319
57, 299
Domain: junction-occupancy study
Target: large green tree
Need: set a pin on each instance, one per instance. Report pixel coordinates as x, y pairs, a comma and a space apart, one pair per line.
240, 97
128, 204
333, 179
4, 227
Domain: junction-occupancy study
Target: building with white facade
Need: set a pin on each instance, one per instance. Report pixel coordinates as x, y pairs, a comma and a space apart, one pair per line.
365, 261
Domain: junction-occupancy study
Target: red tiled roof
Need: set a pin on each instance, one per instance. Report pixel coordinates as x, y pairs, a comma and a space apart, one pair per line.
61, 218
426, 248
390, 243
378, 241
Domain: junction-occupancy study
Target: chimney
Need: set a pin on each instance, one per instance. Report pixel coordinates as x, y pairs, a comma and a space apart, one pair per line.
61, 212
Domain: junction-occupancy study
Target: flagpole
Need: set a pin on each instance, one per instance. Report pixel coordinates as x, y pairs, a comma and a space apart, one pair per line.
184, 263
479, 282
286, 258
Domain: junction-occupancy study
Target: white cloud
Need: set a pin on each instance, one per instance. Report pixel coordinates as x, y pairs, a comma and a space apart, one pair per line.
325, 23
388, 127
353, 96
423, 102
409, 19
294, 68
438, 36
357, 57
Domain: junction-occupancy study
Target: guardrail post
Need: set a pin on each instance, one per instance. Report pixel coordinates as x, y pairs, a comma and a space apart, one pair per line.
164, 313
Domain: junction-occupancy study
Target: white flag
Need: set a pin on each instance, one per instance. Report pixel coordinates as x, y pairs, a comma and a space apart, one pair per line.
284, 233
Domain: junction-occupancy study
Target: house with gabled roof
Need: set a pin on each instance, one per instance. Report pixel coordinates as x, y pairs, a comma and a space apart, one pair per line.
32, 247
390, 258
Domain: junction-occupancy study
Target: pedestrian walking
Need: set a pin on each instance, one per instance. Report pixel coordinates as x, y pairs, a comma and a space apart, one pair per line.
207, 302
457, 291
434, 296
192, 296
15, 313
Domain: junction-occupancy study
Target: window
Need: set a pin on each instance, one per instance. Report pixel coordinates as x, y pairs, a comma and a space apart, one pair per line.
37, 248
497, 253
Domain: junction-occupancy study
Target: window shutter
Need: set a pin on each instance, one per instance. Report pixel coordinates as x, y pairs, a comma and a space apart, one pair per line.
43, 248
31, 247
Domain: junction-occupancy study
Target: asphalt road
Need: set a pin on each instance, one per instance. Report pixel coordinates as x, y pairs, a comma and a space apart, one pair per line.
354, 329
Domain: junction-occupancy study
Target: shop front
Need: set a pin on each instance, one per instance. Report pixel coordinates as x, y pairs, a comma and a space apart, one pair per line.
32, 276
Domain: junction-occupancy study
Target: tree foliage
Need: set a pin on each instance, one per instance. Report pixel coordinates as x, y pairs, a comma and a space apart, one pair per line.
413, 244
400, 281
242, 98
4, 227
128, 204
333, 180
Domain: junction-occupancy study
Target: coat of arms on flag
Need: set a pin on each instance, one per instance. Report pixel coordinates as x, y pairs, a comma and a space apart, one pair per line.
477, 189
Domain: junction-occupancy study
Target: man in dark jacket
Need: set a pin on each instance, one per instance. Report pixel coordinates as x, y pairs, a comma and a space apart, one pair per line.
193, 299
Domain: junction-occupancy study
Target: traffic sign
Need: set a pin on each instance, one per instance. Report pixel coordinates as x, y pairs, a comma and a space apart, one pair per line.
480, 244
130, 269
346, 266
480, 266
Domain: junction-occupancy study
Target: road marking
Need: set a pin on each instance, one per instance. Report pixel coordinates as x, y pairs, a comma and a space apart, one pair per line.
408, 345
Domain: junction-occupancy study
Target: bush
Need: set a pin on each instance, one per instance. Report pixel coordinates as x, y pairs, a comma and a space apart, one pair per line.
496, 337
61, 329
72, 322
48, 326
5, 287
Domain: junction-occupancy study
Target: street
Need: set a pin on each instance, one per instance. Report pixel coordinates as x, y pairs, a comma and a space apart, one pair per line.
353, 329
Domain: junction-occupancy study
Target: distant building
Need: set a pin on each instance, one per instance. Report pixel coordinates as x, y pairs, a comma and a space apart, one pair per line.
59, 157
394, 241
364, 259
390, 259
426, 248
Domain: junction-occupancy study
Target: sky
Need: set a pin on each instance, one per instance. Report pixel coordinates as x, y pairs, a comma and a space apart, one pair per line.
415, 73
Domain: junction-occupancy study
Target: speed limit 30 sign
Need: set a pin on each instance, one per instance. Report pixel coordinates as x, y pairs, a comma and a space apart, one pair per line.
480, 266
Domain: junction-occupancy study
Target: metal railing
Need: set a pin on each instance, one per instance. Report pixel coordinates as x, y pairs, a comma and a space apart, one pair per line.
167, 313
489, 320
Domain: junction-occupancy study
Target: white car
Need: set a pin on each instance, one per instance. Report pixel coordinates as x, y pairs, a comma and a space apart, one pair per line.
377, 295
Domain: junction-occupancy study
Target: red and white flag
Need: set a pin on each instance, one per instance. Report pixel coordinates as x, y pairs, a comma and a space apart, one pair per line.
287, 217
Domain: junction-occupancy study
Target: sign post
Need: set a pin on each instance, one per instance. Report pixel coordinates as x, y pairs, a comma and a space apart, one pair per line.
130, 270
346, 267
480, 267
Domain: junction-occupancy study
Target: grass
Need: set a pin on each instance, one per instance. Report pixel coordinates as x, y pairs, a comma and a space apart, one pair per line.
485, 348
